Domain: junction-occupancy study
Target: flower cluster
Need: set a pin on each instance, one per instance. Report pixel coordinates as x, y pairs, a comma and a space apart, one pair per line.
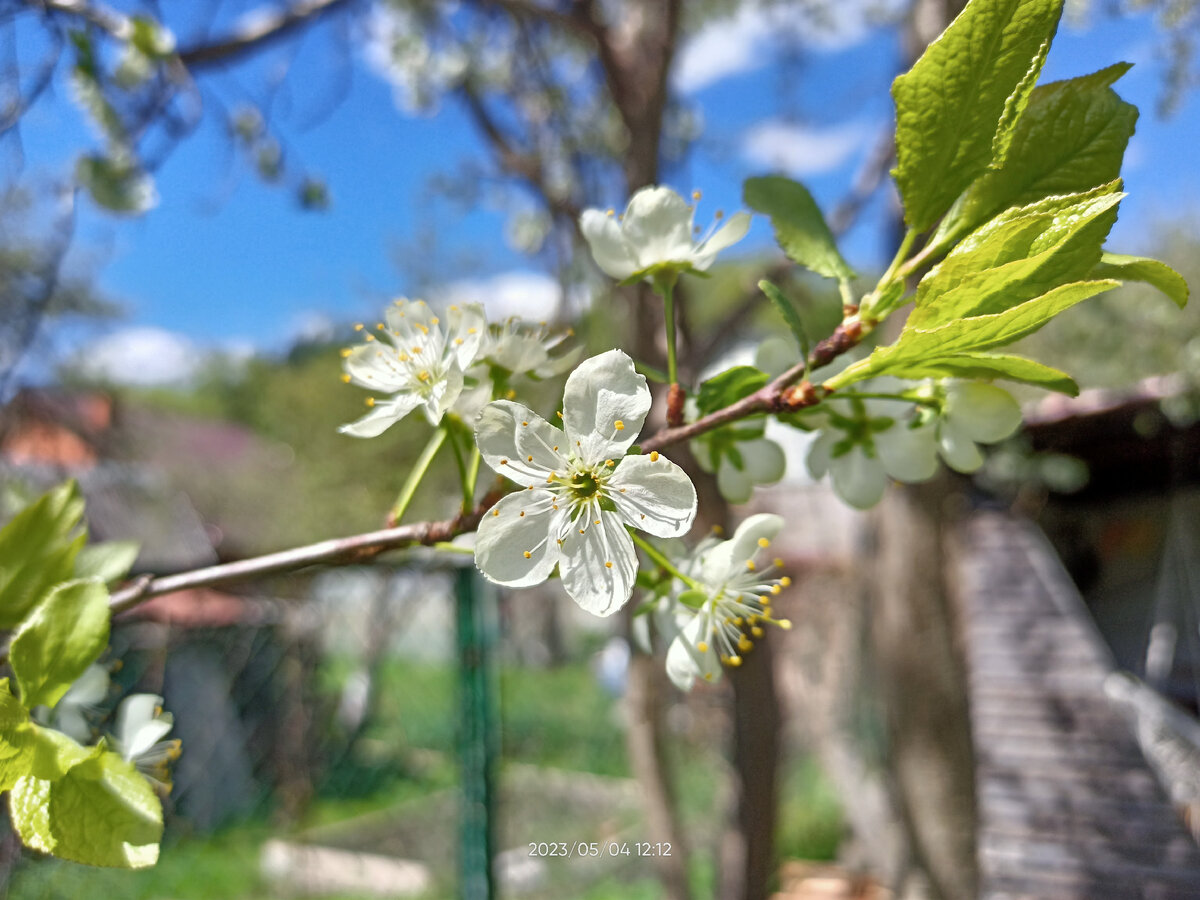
582, 488
440, 362
863, 442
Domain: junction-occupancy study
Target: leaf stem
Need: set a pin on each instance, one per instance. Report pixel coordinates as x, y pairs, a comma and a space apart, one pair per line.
468, 491
665, 287
417, 473
893, 268
868, 395
659, 559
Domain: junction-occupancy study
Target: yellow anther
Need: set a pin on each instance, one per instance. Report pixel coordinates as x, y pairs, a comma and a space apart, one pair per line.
778, 562
526, 424
619, 425
370, 401
453, 307
504, 462
597, 522
346, 352
472, 331
702, 646
458, 340
610, 212
609, 463
785, 581
511, 393
521, 514
696, 195
776, 589
550, 478
369, 337
750, 564
735, 661
435, 320
529, 458
346, 378
708, 676
528, 554
737, 620
756, 631
570, 332
745, 644
653, 456
559, 413
495, 512
719, 214
763, 542
358, 326
608, 565
379, 326
717, 529
785, 624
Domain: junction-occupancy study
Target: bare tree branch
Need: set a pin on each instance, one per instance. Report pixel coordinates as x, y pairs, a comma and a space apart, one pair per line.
261, 33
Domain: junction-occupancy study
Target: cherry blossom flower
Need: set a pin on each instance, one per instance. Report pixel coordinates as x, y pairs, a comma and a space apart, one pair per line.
655, 237
418, 357
581, 489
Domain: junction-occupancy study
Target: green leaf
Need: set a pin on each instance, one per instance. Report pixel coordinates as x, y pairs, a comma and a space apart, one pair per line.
116, 184
957, 107
63, 635
37, 550
983, 366
100, 812
1150, 271
109, 561
729, 387
1071, 138
787, 312
693, 599
1020, 254
925, 347
16, 743
799, 226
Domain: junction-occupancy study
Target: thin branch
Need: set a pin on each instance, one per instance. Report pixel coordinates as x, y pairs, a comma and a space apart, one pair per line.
262, 32
356, 548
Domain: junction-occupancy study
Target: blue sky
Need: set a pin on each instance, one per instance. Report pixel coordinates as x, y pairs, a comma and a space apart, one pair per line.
225, 260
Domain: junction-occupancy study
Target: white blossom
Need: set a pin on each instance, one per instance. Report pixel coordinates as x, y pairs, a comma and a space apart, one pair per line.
741, 458
418, 357
581, 489
656, 237
520, 349
737, 579
138, 733
973, 413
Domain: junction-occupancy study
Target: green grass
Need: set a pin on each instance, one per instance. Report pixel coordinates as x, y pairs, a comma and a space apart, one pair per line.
556, 718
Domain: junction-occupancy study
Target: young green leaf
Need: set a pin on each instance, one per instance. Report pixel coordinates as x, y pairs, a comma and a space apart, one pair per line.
924, 347
1019, 255
729, 387
16, 749
37, 550
787, 311
693, 599
1071, 138
100, 812
957, 107
109, 561
63, 635
983, 366
1150, 271
799, 226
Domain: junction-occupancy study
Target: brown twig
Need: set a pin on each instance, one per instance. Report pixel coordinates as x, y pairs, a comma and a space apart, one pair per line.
355, 548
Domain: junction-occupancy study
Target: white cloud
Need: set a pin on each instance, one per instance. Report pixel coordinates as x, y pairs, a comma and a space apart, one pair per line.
745, 41
141, 356
533, 296
311, 327
803, 150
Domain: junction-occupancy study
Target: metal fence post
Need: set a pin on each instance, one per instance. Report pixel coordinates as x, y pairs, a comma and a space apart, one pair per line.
477, 738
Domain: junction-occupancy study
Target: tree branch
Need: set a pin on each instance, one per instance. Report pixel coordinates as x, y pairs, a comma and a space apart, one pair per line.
263, 31
345, 550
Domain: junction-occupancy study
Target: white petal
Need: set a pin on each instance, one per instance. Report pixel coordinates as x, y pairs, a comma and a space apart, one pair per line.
374, 366
137, 727
654, 495
957, 448
465, 329
443, 394
685, 663
505, 536
601, 392
508, 433
413, 323
728, 559
658, 226
735, 484
858, 479
820, 451
763, 460
609, 248
475, 395
726, 236
382, 416
983, 412
908, 454
598, 567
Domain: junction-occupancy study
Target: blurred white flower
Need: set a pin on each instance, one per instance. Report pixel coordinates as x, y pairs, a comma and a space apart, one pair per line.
417, 358
82, 703
741, 458
655, 237
138, 736
732, 603
581, 490
520, 349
